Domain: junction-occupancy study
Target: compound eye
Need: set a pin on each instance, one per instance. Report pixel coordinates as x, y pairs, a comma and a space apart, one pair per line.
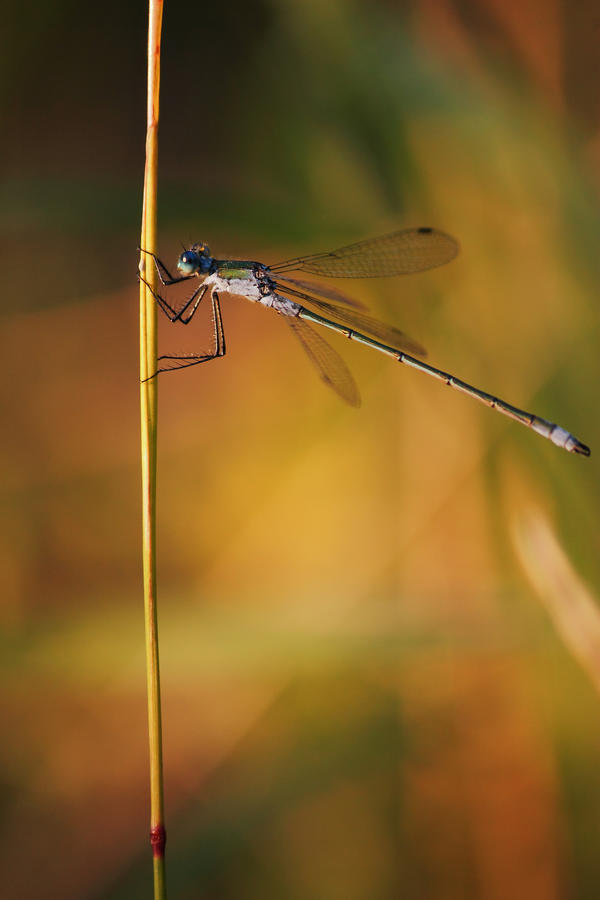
187, 263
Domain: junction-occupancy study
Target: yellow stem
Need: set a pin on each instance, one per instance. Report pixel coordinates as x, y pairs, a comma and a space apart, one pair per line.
148, 405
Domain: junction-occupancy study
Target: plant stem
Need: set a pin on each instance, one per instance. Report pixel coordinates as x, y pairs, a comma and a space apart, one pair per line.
148, 406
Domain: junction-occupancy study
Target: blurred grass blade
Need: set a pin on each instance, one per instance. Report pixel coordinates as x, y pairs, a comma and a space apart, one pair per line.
572, 607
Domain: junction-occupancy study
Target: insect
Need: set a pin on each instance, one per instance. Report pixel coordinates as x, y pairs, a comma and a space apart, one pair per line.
301, 302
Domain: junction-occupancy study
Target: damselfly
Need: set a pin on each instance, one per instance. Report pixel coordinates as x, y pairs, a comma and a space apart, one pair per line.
301, 302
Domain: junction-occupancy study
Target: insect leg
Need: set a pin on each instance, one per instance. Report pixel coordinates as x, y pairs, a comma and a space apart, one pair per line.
195, 301
173, 362
163, 271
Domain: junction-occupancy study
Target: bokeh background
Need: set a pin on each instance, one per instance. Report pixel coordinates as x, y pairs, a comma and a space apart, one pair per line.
379, 627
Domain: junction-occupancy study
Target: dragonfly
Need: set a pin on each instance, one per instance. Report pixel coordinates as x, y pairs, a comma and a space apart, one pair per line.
303, 303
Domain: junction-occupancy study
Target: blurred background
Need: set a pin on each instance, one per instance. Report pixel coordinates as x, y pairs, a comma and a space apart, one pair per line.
379, 628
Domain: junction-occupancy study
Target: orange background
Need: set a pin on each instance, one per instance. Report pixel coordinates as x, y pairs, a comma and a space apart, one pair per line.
363, 695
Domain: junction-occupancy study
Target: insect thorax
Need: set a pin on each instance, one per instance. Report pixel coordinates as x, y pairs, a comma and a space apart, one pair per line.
254, 285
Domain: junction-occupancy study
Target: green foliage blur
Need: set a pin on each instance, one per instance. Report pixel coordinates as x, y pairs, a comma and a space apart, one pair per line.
363, 696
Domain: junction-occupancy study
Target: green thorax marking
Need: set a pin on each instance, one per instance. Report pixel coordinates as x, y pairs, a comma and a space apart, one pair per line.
235, 268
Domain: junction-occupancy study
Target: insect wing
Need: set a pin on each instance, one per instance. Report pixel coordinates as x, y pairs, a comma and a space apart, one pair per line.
398, 253
360, 322
325, 291
329, 364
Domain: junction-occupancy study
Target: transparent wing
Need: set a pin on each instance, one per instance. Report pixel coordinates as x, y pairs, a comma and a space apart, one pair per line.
398, 253
323, 291
330, 365
358, 321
